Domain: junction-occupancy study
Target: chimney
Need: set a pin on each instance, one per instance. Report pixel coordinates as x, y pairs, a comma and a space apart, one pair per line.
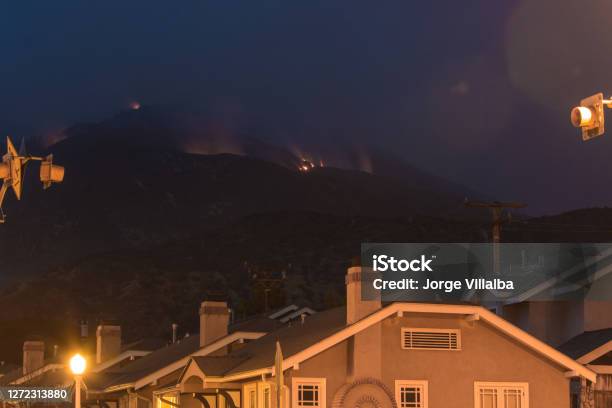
33, 356
108, 342
356, 307
368, 342
214, 319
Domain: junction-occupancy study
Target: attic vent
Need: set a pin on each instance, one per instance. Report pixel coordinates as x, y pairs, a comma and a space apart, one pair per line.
431, 339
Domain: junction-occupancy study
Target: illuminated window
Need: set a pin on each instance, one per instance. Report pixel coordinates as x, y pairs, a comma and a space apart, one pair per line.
411, 394
166, 400
501, 395
309, 392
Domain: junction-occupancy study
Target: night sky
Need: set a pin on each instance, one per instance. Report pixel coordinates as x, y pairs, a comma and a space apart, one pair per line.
475, 91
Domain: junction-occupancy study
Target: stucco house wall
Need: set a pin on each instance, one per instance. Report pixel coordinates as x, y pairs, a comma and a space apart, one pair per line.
486, 355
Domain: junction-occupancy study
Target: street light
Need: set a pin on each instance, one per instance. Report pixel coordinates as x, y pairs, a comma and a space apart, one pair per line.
77, 366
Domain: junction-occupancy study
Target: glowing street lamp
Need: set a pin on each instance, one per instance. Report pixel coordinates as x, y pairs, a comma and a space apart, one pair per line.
77, 366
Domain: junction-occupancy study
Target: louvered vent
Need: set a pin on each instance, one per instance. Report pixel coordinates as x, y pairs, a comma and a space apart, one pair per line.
431, 339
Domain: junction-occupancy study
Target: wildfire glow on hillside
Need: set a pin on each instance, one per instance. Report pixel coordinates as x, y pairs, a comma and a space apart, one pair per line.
305, 166
355, 158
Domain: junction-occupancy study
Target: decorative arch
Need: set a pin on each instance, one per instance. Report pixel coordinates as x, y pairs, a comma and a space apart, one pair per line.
193, 383
364, 393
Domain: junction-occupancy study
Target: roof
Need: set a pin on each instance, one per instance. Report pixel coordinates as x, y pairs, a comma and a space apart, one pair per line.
293, 338
12, 375
217, 365
157, 354
160, 363
146, 344
145, 365
259, 323
17, 377
326, 329
6, 368
586, 342
53, 377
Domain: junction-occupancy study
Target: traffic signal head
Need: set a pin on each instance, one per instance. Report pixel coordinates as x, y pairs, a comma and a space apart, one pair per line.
5, 171
12, 168
50, 173
589, 116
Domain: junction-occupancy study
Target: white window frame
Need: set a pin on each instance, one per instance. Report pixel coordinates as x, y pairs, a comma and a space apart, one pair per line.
321, 382
501, 385
431, 330
423, 384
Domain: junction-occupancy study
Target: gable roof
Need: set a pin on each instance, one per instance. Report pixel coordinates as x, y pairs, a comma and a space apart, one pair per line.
326, 329
159, 363
213, 365
143, 366
293, 339
589, 346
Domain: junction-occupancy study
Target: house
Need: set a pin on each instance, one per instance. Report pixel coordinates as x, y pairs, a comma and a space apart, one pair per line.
36, 368
397, 355
117, 368
400, 355
572, 302
594, 350
571, 310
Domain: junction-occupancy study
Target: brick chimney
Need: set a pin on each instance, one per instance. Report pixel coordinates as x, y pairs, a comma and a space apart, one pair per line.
356, 307
33, 356
214, 319
108, 342
368, 342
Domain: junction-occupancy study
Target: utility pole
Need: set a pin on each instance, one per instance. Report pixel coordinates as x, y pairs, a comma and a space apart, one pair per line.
497, 209
267, 281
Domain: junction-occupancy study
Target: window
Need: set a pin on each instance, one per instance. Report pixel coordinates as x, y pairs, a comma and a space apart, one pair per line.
501, 395
411, 394
166, 400
431, 339
309, 392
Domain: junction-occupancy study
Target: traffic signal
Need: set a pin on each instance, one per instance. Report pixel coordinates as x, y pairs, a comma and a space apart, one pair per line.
12, 168
50, 173
589, 116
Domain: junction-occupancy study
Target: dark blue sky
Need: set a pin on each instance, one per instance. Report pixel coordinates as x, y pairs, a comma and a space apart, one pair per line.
477, 91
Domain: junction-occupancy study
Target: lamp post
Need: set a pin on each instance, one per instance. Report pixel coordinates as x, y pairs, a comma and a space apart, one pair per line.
77, 366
